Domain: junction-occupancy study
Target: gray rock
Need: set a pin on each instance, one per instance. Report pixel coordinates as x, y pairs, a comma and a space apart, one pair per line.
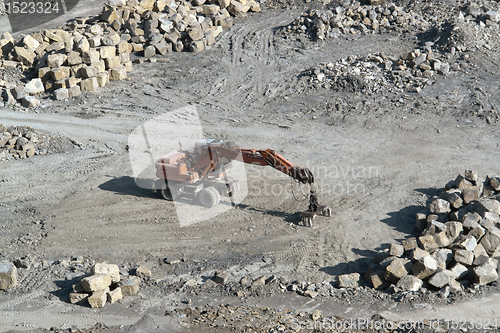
485, 205
409, 283
464, 257
35, 86
439, 206
425, 267
349, 280
442, 278
487, 272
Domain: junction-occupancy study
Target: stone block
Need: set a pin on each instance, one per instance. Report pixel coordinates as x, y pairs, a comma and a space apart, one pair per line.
82, 45
409, 244
89, 84
107, 51
149, 51
224, 3
485, 205
495, 183
453, 229
442, 239
130, 286
464, 257
486, 273
428, 242
56, 60
115, 295
73, 58
471, 220
491, 240
109, 15
89, 71
77, 297
117, 73
409, 283
377, 278
197, 46
418, 253
478, 232
421, 220
143, 272
460, 270
96, 282
396, 250
471, 175
471, 194
112, 270
30, 43
102, 79
455, 200
91, 56
260, 281
98, 299
236, 8
440, 206
110, 40
74, 91
112, 62
25, 56
444, 257
465, 242
60, 73
94, 41
61, 93
398, 268
425, 267
8, 276
35, 86
442, 278
461, 182
29, 101
349, 280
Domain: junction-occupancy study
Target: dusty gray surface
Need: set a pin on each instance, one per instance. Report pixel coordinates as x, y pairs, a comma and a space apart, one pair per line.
83, 201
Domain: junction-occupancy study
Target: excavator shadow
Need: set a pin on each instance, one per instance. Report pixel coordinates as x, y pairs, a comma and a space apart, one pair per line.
287, 217
127, 186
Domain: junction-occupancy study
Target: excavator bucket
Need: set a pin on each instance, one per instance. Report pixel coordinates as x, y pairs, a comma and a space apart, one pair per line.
314, 210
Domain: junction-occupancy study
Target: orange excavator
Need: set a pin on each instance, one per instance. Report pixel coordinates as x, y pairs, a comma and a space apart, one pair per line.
202, 174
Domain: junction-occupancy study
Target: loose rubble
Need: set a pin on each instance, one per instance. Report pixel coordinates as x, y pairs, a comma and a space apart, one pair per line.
23, 142
459, 243
356, 19
90, 52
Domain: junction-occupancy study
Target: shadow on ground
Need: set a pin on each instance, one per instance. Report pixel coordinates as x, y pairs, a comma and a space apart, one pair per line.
127, 186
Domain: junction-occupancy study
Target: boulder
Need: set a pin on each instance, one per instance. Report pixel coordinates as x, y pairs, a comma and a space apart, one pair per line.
398, 268
96, 282
112, 270
442, 278
8, 276
349, 280
409, 283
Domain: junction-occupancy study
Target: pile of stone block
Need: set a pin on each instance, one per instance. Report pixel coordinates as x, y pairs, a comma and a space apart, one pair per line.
8, 276
21, 142
107, 285
355, 19
459, 243
89, 52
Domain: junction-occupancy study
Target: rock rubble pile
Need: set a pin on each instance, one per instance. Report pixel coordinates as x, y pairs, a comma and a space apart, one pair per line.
24, 142
459, 243
107, 285
89, 52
